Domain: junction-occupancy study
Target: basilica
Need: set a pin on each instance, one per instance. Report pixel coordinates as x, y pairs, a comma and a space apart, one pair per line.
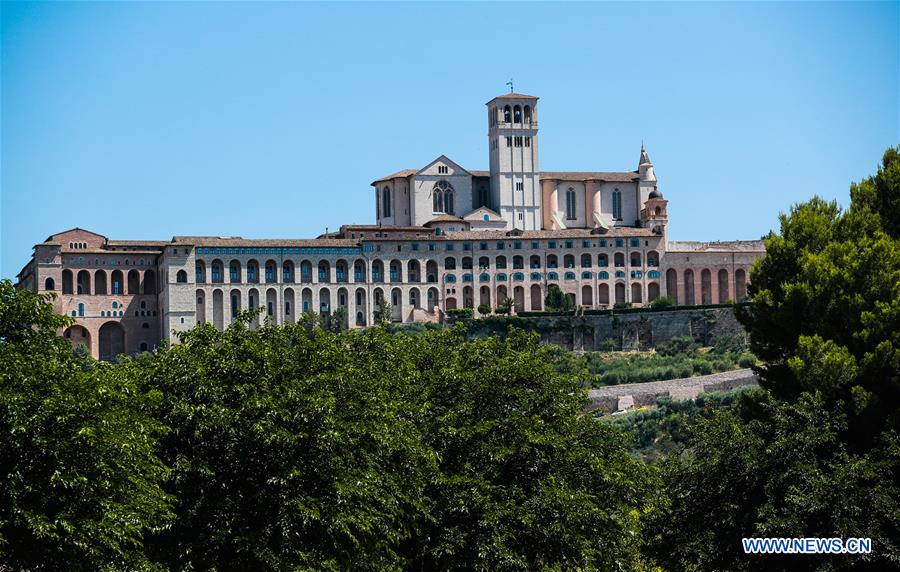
444, 237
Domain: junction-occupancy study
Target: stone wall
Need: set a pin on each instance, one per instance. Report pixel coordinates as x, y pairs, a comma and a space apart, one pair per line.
629, 330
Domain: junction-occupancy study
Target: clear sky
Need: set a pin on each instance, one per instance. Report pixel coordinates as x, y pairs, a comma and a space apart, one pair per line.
146, 120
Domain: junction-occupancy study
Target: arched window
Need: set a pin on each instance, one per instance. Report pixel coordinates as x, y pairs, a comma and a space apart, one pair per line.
438, 201
527, 114
80, 310
49, 284
517, 114
570, 204
507, 114
617, 204
181, 276
386, 202
443, 197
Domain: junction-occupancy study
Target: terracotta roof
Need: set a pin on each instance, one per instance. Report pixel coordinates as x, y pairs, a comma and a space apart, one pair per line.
445, 218
716, 246
275, 242
615, 231
612, 177
398, 175
138, 242
608, 176
514, 96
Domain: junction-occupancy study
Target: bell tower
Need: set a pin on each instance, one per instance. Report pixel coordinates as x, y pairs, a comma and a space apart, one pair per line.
515, 174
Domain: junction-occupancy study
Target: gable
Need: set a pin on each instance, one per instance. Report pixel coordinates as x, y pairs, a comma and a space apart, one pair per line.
478, 214
79, 238
435, 168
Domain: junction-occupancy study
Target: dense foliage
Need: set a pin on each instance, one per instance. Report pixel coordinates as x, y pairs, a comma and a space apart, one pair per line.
296, 447
80, 484
818, 454
681, 357
664, 430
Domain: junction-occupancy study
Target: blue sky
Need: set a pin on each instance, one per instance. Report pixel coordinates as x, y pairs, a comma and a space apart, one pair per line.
146, 120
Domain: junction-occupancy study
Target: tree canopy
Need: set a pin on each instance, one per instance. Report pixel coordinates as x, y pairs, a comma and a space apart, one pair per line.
818, 454
80, 485
295, 447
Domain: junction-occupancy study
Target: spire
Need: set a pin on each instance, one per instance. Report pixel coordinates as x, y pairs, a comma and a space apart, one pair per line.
645, 167
645, 158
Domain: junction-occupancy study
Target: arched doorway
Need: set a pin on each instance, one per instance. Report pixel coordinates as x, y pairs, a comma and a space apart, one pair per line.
79, 336
536, 297
112, 341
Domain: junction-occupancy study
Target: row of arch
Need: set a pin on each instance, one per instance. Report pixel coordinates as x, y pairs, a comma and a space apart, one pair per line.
636, 259
684, 289
287, 306
111, 340
538, 276
588, 296
513, 114
412, 271
100, 282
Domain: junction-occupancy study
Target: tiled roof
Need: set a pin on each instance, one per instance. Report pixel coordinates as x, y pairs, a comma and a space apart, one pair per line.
716, 246
608, 176
398, 175
138, 242
445, 218
538, 234
514, 96
289, 242
612, 177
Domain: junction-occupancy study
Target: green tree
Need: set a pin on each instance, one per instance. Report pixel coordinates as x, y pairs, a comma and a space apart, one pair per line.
291, 448
556, 300
383, 311
526, 481
506, 306
484, 309
817, 454
80, 487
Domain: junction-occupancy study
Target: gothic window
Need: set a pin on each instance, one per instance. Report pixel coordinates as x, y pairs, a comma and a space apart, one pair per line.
443, 197
617, 204
438, 201
386, 202
570, 204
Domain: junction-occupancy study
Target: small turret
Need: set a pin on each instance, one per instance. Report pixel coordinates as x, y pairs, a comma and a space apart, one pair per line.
645, 167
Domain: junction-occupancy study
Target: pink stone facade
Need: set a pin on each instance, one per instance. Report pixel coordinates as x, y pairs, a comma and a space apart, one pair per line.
600, 236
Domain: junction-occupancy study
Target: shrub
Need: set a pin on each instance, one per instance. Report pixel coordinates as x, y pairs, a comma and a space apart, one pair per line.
462, 313
484, 309
682, 345
608, 345
663, 302
747, 360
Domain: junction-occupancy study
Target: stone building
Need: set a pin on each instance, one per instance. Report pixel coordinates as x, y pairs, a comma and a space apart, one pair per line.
445, 237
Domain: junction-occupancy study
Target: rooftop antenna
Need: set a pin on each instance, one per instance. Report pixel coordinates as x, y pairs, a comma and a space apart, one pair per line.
510, 84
